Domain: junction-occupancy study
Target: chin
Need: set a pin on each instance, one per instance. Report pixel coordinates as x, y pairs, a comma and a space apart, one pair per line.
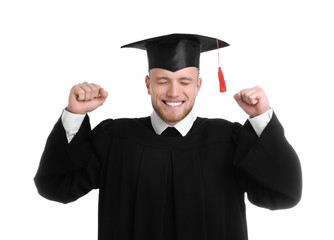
171, 118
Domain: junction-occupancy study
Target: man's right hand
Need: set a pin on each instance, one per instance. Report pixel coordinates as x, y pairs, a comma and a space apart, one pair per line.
86, 97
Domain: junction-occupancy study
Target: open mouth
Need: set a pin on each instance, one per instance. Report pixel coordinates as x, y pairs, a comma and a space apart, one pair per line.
173, 104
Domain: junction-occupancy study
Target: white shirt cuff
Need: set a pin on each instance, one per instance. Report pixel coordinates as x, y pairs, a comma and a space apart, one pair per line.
72, 123
260, 122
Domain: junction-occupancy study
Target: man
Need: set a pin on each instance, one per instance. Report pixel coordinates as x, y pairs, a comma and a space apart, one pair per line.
171, 175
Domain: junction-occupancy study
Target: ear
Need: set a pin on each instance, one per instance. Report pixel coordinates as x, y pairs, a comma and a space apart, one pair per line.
199, 84
148, 84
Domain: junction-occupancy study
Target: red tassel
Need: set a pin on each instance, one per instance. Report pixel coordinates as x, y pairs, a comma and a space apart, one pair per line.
222, 84
221, 80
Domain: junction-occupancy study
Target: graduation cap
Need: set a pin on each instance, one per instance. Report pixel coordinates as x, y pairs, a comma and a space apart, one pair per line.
177, 51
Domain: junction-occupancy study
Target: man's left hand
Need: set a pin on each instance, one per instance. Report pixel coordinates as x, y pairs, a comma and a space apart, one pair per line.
253, 101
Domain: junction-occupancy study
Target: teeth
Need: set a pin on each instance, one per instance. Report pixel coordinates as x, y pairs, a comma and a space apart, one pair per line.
174, 104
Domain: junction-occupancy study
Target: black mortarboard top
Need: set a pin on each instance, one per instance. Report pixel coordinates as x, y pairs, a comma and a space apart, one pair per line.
177, 51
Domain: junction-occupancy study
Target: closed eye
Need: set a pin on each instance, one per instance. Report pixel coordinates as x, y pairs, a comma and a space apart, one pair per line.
162, 82
185, 81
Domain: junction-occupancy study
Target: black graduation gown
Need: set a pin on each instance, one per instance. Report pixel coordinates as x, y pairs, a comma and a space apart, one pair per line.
204, 174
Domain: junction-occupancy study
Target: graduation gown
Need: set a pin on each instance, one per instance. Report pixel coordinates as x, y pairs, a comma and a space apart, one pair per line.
197, 182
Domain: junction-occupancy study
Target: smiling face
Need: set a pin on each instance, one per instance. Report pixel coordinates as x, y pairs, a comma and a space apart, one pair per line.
173, 94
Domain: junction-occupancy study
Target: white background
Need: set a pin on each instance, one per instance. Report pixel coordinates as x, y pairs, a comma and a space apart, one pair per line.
47, 46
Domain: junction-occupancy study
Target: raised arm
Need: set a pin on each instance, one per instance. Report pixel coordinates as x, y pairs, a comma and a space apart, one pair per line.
270, 168
68, 171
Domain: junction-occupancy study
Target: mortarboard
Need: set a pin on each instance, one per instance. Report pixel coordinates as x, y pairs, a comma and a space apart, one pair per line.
177, 51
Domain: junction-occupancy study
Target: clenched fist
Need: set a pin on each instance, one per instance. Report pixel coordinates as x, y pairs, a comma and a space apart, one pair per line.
253, 101
86, 97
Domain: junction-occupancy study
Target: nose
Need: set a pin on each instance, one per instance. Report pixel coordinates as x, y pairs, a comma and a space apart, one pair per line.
173, 90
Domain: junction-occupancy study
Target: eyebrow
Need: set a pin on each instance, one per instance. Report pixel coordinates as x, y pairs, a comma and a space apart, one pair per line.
179, 79
185, 78
162, 78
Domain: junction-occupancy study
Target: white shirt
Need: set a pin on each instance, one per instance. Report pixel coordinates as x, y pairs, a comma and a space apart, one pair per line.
72, 123
183, 126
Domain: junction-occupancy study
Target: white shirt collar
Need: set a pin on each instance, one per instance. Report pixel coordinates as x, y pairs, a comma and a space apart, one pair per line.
183, 126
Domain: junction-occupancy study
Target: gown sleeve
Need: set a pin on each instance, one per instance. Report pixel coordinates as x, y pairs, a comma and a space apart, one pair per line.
270, 170
68, 171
